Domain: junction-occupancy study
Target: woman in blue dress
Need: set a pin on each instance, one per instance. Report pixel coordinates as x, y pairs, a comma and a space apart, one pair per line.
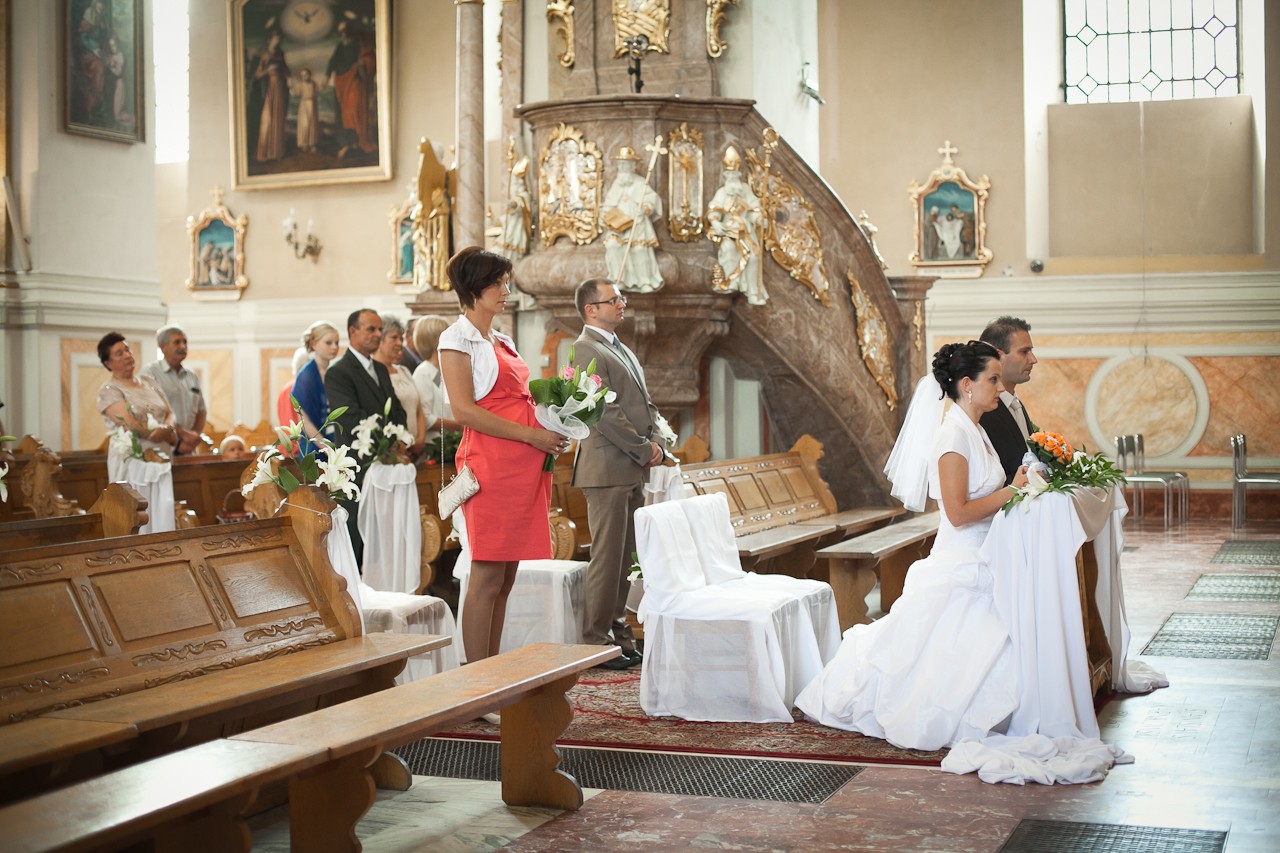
321, 341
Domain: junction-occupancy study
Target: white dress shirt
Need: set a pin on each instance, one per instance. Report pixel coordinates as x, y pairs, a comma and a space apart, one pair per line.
1019, 413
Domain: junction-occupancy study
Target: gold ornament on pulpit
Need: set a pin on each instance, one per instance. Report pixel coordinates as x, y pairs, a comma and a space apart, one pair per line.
684, 184
716, 46
873, 341
790, 227
562, 11
570, 177
648, 18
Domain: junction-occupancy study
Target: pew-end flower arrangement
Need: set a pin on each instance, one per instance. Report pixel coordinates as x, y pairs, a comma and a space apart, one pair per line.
326, 465
380, 439
4, 469
1064, 469
570, 403
127, 441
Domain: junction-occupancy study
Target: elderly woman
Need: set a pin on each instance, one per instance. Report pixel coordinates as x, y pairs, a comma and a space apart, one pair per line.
388, 354
487, 384
320, 340
133, 400
436, 413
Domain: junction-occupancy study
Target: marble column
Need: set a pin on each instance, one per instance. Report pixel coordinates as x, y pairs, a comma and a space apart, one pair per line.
468, 224
512, 67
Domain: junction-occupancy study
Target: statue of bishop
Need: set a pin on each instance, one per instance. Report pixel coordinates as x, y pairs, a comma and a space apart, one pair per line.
733, 224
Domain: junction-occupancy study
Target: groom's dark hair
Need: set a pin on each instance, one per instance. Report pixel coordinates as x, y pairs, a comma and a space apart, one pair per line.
999, 330
588, 292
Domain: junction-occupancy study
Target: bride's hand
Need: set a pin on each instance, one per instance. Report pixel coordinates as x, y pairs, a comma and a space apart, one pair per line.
1020, 478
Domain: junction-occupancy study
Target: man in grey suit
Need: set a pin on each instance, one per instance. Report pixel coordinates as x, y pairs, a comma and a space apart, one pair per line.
611, 464
363, 386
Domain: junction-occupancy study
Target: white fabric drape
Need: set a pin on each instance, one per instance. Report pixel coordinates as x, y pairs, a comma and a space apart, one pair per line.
404, 613
666, 483
391, 528
154, 481
722, 644
343, 558
546, 605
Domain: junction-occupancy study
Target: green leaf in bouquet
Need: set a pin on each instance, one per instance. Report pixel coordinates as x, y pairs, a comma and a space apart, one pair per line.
288, 482
309, 467
542, 392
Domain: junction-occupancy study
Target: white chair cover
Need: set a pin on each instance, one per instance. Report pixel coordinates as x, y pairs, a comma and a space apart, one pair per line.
404, 613
391, 528
154, 481
343, 558
546, 604
740, 649
666, 483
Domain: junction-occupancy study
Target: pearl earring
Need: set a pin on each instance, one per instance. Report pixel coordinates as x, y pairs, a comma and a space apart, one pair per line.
968, 395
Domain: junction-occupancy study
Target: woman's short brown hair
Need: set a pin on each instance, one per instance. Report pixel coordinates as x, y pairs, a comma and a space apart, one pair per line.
473, 269
109, 340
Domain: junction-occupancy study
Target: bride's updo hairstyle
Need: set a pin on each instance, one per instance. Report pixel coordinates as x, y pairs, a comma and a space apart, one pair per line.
956, 361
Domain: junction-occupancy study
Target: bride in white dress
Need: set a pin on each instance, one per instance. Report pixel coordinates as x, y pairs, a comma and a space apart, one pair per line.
940, 668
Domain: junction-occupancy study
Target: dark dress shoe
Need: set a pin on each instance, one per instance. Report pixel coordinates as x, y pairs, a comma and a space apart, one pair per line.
620, 662
632, 657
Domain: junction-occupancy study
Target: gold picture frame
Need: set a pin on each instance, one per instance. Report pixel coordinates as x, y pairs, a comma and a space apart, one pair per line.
401, 220
217, 252
686, 217
950, 220
570, 179
104, 60
310, 92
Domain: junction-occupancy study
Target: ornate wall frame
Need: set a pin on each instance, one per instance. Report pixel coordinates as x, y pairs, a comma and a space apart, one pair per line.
570, 179
102, 43
685, 214
950, 220
217, 252
873, 341
649, 18
790, 227
562, 11
716, 10
401, 220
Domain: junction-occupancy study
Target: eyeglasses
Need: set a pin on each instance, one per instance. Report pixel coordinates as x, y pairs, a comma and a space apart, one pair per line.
618, 301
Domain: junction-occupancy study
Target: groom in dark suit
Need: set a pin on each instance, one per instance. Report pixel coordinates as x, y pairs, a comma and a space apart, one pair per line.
611, 466
1008, 425
363, 386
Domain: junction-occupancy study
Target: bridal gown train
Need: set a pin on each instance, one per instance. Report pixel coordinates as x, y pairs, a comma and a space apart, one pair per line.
940, 669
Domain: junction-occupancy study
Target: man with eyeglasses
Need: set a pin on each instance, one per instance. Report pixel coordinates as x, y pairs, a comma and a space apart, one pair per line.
611, 466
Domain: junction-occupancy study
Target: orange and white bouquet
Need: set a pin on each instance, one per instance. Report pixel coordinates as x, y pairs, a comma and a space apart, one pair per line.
1061, 468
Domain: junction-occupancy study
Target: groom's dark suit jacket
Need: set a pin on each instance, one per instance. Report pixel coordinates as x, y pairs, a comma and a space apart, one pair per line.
1005, 437
346, 383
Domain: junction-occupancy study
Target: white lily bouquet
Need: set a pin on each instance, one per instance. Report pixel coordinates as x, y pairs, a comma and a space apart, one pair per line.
381, 439
326, 465
128, 441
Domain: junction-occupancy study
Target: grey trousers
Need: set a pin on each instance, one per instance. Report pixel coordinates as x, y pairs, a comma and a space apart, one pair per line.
611, 518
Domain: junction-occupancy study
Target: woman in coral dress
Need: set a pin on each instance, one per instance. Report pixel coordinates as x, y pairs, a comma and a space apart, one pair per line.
487, 384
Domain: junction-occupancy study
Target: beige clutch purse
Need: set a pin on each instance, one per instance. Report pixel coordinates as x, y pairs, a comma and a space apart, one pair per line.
461, 488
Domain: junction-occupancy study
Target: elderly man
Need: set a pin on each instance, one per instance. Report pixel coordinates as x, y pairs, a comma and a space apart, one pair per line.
181, 388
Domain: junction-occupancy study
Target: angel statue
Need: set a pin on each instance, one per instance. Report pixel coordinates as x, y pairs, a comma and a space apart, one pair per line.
629, 210
733, 220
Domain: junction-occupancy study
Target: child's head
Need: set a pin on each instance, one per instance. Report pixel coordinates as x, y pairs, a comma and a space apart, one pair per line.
233, 447
305, 74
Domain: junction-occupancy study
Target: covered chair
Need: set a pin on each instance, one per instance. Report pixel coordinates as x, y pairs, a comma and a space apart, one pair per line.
722, 644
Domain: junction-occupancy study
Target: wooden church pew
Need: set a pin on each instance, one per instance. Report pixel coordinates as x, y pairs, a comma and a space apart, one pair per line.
119, 511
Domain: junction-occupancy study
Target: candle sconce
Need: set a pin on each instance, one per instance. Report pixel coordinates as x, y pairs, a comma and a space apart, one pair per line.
309, 247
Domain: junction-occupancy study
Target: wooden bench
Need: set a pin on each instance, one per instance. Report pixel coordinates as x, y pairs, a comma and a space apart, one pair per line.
120, 511
781, 508
853, 565
177, 637
196, 799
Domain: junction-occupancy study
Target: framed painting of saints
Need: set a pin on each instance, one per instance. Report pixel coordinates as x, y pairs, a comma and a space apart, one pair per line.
950, 221
103, 50
310, 91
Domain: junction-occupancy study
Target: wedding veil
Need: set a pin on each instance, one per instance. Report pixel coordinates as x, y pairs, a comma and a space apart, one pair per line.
908, 465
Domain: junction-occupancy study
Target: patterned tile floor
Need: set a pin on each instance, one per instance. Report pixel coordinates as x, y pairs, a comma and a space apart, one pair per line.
1207, 754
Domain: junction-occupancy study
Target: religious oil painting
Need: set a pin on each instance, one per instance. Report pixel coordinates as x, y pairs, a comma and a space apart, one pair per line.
103, 50
217, 252
310, 84
950, 220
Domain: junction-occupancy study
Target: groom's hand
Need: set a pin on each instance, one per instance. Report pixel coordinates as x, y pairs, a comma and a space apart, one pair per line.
656, 459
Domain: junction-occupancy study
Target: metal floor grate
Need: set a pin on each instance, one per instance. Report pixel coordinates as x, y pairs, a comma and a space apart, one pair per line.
1252, 552
1203, 635
1061, 836
647, 772
1236, 588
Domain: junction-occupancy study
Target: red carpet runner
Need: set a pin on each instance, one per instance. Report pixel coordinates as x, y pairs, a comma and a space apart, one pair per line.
607, 713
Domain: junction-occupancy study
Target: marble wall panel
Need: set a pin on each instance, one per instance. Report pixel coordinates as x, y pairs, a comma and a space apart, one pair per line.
1148, 396
277, 371
215, 369
1244, 394
1055, 396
